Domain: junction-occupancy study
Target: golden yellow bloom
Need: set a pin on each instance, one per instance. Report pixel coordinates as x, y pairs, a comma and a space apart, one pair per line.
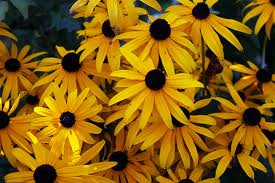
16, 70
184, 137
132, 165
150, 89
46, 166
255, 77
183, 176
207, 25
4, 31
248, 122
99, 35
66, 120
164, 39
225, 159
31, 100
13, 129
69, 73
265, 9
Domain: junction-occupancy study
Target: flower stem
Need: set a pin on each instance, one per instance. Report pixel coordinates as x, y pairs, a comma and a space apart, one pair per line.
264, 52
203, 64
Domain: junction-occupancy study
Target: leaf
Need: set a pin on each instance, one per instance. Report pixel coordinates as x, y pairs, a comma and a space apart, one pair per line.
3, 9
23, 6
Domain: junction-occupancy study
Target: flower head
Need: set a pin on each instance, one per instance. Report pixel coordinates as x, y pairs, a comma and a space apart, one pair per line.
153, 90
16, 68
68, 119
206, 25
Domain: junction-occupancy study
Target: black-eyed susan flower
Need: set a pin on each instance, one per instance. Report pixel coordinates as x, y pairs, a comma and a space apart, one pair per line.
13, 129
182, 175
265, 9
248, 121
150, 89
184, 137
207, 25
31, 100
132, 165
99, 35
46, 167
240, 159
66, 120
16, 70
4, 31
256, 77
164, 39
69, 73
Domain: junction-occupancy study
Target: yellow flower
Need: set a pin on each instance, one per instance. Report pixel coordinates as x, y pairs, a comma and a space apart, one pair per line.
256, 77
132, 165
205, 24
164, 39
243, 159
31, 100
266, 11
248, 122
99, 35
183, 176
4, 31
15, 69
183, 136
13, 129
46, 166
150, 89
69, 73
67, 120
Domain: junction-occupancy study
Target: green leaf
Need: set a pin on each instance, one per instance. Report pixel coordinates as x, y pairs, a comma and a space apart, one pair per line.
3, 9
23, 6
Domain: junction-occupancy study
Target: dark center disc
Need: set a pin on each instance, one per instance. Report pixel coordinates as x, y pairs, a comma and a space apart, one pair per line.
12, 65
272, 2
107, 29
4, 120
121, 158
70, 62
67, 119
201, 11
155, 79
45, 174
264, 75
252, 116
160, 29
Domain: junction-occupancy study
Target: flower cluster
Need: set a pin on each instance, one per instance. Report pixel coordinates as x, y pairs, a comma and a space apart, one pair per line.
139, 100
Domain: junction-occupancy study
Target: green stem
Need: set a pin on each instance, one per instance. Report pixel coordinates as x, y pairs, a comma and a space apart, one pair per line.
264, 51
203, 64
